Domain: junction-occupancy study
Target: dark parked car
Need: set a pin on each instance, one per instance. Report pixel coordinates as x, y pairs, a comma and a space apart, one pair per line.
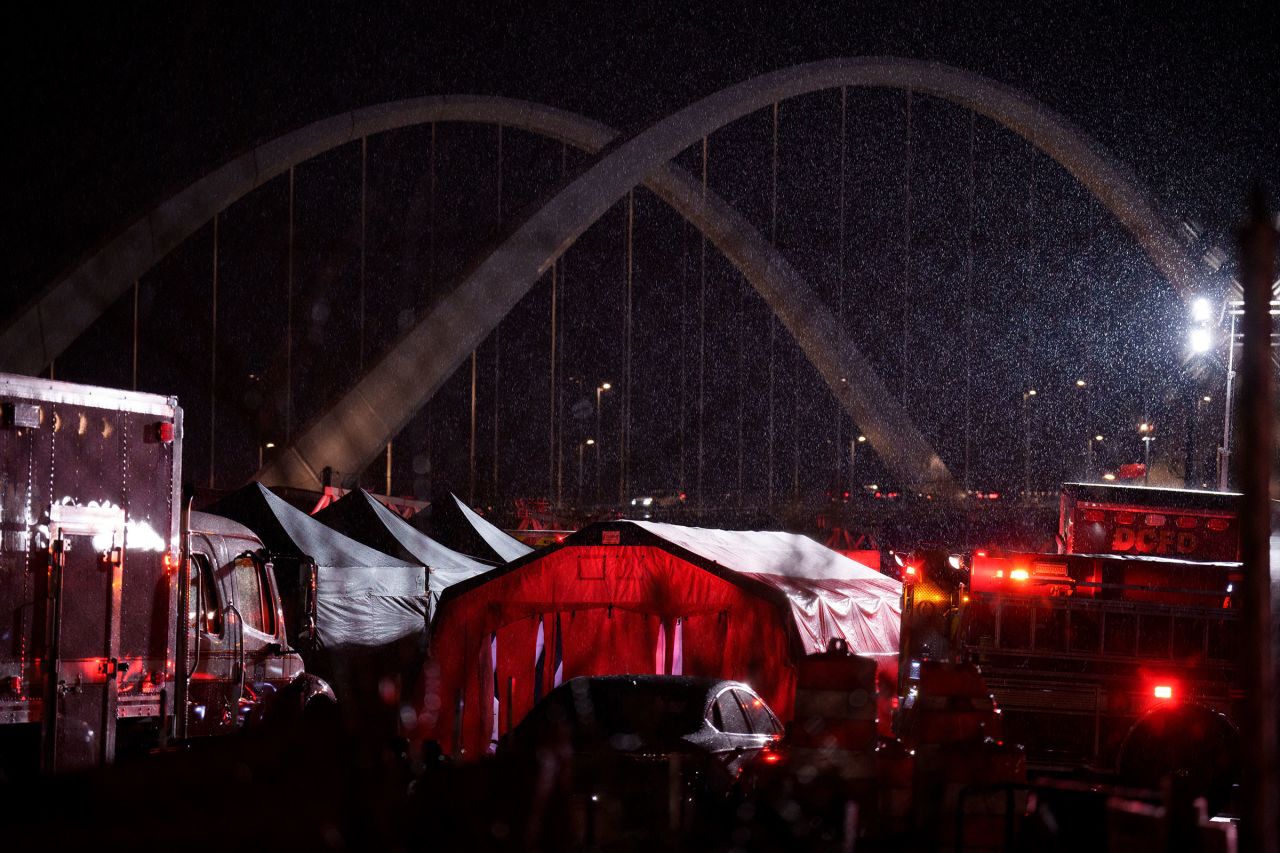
644, 755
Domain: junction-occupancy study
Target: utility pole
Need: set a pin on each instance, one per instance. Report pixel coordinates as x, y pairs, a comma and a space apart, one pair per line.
1255, 468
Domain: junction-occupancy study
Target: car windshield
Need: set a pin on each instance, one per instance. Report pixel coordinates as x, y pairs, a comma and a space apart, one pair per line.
636, 715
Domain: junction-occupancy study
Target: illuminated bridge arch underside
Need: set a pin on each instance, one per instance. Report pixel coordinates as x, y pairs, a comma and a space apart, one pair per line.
353, 431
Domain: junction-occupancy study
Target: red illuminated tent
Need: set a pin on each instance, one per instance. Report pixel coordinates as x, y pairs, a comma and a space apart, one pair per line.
643, 597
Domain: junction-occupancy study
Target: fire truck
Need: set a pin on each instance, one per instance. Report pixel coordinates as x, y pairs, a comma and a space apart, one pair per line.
1114, 657
125, 622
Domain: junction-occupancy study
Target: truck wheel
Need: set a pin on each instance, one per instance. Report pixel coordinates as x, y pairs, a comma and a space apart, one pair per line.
306, 698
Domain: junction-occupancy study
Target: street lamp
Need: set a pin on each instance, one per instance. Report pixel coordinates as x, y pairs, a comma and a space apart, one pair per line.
1097, 439
1026, 441
1147, 431
1083, 387
270, 445
853, 460
600, 389
582, 446
1200, 340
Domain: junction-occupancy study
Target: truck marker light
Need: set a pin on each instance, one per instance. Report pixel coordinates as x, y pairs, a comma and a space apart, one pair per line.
1019, 575
999, 573
1164, 691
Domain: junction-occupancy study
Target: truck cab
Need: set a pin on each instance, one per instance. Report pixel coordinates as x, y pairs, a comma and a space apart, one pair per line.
238, 659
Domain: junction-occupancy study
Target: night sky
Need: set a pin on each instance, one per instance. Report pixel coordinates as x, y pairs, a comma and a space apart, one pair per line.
115, 108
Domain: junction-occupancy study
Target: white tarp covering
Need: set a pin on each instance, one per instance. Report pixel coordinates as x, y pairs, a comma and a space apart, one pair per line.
830, 594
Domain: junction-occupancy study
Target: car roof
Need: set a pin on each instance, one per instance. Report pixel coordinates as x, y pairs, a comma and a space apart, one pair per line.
689, 682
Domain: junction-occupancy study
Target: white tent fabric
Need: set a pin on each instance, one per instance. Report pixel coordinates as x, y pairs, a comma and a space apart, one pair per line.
830, 594
506, 546
445, 565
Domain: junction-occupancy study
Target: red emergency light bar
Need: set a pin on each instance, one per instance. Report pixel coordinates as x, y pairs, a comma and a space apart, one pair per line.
1016, 574
1163, 691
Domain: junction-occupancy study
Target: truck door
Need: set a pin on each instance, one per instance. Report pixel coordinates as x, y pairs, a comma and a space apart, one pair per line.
212, 655
261, 634
86, 553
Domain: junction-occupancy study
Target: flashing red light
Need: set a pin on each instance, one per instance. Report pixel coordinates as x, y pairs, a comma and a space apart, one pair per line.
683, 496
982, 553
164, 432
1164, 691
1019, 575
771, 757
911, 570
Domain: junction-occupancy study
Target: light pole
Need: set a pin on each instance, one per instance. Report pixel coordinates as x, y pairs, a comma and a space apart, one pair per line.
1026, 441
1083, 387
270, 445
1200, 403
600, 389
1091, 467
1147, 431
853, 461
1224, 451
582, 445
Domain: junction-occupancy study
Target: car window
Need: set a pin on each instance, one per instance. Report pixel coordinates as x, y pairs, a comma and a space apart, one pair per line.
205, 606
251, 595
726, 715
758, 714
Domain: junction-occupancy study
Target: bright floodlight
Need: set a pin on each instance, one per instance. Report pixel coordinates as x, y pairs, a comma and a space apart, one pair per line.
590, 441
1097, 438
1201, 340
861, 439
605, 386
1200, 310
